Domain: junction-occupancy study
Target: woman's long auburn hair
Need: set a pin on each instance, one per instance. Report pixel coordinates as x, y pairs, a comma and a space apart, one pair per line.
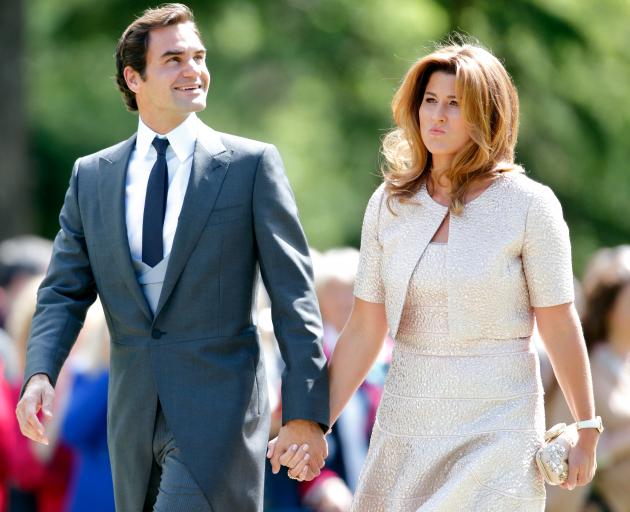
489, 104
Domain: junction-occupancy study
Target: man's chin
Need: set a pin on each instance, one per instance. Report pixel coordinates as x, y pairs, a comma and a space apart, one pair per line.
193, 106
198, 106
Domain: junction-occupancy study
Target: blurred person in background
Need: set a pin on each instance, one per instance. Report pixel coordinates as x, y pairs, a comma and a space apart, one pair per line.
281, 492
331, 491
21, 258
335, 274
272, 356
84, 427
460, 252
6, 438
606, 323
40, 473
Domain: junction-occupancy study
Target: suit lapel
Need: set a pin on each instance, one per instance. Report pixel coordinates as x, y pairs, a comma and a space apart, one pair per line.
112, 174
209, 167
420, 218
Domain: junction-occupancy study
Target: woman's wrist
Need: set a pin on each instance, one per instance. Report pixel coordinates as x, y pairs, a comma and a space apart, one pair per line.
588, 437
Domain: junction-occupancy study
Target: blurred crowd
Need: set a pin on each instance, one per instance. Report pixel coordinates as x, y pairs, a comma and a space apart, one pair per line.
72, 472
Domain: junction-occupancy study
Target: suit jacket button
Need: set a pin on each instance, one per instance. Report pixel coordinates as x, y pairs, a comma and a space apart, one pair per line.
156, 334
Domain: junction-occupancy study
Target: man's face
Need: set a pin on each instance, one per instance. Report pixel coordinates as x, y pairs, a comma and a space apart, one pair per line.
176, 78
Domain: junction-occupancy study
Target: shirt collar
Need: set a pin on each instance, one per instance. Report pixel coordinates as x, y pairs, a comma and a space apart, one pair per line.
181, 139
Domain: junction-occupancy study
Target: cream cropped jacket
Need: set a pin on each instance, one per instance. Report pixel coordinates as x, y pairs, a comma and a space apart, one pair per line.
508, 251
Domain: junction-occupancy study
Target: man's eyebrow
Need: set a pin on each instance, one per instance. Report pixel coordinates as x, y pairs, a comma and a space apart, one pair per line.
171, 53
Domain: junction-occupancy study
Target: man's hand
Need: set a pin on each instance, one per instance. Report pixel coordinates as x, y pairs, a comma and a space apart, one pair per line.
300, 445
38, 396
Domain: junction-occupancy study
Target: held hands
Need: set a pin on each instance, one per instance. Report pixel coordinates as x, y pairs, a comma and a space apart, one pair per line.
301, 447
38, 396
582, 464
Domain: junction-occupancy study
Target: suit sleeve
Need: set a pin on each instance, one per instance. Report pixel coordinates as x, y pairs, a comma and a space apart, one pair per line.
65, 294
286, 270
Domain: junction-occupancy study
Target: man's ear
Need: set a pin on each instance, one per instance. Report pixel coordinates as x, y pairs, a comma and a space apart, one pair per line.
133, 78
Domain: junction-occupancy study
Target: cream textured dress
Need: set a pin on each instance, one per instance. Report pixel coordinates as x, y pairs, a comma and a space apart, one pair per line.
462, 411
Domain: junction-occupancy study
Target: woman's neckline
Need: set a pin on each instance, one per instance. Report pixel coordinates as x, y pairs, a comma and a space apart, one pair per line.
482, 194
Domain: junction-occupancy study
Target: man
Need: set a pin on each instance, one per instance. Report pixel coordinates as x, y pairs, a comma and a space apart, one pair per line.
168, 228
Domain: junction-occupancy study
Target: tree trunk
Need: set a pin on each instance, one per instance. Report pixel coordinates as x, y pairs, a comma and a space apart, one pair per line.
15, 197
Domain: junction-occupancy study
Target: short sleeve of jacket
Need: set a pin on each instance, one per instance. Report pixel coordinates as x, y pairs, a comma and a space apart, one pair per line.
369, 283
547, 252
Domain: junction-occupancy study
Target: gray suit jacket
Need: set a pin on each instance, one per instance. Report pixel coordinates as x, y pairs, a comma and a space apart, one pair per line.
199, 354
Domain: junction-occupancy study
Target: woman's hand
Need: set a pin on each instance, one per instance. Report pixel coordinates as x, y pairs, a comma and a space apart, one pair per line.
582, 463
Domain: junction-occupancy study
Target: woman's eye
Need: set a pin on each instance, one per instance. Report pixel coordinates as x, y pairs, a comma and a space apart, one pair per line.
454, 103
429, 100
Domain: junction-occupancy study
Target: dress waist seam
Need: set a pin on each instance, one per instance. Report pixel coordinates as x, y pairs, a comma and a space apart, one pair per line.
470, 434
498, 398
463, 354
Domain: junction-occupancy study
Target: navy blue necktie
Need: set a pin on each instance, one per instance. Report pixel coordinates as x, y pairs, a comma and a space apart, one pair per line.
155, 207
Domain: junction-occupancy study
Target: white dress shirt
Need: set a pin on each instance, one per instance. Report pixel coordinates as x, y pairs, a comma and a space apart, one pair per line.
179, 157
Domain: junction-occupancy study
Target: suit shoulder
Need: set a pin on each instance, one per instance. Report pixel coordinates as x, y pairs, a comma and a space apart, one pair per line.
243, 145
108, 153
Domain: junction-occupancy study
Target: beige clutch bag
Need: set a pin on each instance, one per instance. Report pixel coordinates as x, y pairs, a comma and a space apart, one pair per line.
553, 457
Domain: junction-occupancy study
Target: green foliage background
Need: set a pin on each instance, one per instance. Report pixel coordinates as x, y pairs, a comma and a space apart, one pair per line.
316, 77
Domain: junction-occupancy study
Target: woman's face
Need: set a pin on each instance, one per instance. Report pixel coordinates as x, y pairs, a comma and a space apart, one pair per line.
442, 126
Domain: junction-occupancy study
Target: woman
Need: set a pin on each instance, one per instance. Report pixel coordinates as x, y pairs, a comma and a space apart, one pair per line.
460, 251
606, 321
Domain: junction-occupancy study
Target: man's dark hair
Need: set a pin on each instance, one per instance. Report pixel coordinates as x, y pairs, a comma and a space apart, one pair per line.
132, 46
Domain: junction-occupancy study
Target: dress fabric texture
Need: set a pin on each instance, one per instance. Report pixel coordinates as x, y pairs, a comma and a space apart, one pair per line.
462, 411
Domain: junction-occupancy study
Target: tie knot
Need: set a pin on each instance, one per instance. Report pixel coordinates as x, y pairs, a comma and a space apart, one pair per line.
160, 145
